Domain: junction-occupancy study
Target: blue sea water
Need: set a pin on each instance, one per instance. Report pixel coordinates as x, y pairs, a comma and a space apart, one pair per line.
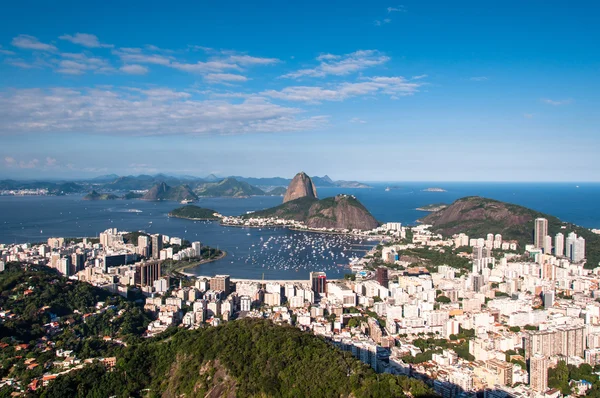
277, 253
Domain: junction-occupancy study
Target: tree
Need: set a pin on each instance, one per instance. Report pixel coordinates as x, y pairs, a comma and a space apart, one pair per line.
442, 299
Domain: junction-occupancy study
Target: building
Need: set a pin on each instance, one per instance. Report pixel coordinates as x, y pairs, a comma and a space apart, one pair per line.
318, 282
578, 250
157, 245
547, 244
149, 273
538, 373
220, 283
143, 247
382, 276
540, 232
559, 245
502, 370
565, 340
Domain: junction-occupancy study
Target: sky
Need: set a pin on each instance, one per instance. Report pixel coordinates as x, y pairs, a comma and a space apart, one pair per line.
362, 90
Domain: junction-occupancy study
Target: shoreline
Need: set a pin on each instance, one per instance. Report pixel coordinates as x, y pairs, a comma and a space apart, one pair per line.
184, 267
192, 219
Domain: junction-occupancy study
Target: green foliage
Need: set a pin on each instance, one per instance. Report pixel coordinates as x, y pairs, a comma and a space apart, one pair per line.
514, 329
194, 213
442, 299
250, 357
530, 327
558, 377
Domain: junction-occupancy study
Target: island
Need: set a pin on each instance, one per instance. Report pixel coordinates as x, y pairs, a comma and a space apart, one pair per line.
432, 207
191, 212
434, 190
100, 196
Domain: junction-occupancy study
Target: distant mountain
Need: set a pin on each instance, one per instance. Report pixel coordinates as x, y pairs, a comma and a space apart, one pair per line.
133, 195
105, 178
100, 196
319, 182
277, 191
477, 216
144, 181
229, 187
162, 191
212, 178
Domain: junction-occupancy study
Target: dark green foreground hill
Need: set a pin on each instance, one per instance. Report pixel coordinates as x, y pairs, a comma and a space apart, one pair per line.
239, 359
477, 216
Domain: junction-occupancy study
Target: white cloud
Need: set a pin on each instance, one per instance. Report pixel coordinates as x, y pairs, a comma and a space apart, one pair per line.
478, 78
225, 77
142, 112
205, 67
135, 55
418, 77
9, 161
247, 60
393, 86
528, 115
342, 65
396, 9
134, 69
357, 120
31, 43
85, 39
6, 52
557, 102
19, 63
51, 162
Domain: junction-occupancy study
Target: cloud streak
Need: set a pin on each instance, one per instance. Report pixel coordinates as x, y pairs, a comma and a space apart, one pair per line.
340, 65
85, 39
143, 112
557, 102
32, 43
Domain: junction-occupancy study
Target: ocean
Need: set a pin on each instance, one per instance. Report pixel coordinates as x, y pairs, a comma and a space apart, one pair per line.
276, 253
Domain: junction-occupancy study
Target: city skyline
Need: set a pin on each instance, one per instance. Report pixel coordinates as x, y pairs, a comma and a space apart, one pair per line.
379, 92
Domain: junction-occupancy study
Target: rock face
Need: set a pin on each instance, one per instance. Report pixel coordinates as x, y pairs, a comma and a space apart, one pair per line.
340, 212
300, 187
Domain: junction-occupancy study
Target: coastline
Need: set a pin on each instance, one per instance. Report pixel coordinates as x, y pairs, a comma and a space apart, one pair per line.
184, 267
193, 219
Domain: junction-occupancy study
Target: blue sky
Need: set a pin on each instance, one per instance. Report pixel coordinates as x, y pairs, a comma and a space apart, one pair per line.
378, 90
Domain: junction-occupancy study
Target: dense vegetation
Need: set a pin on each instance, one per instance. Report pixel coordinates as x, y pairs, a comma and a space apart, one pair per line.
559, 376
99, 196
193, 213
163, 191
229, 187
240, 358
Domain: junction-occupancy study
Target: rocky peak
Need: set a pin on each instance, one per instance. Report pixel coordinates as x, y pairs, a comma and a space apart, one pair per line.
300, 187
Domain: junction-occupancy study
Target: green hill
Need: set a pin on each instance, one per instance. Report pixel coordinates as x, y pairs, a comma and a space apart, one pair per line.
192, 212
277, 191
164, 192
99, 196
246, 358
341, 212
229, 187
476, 217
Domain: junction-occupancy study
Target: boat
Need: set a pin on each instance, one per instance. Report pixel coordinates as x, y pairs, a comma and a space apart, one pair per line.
186, 201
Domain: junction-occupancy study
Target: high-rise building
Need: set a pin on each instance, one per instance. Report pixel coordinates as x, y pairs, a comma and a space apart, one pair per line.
149, 273
157, 245
318, 281
548, 299
144, 246
547, 244
477, 282
197, 247
381, 276
578, 251
538, 373
540, 232
77, 262
569, 244
503, 370
220, 283
559, 245
565, 340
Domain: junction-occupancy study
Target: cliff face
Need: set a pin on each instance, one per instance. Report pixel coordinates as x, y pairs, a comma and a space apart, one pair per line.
343, 212
300, 187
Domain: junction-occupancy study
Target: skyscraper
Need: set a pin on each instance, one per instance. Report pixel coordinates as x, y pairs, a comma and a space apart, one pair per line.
547, 244
559, 245
569, 243
157, 245
382, 276
540, 232
318, 281
538, 373
220, 283
578, 251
